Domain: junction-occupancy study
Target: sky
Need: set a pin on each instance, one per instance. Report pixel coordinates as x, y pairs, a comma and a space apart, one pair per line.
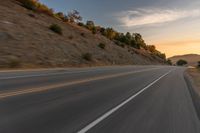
173, 26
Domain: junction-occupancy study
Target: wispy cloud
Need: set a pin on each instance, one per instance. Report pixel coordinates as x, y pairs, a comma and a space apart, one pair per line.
154, 16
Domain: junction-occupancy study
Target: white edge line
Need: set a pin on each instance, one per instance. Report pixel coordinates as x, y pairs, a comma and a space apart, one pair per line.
98, 120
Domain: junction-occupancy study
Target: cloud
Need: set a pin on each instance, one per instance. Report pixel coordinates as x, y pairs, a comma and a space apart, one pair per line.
142, 17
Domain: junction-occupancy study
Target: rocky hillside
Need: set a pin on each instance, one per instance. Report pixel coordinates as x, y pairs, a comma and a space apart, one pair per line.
27, 41
192, 59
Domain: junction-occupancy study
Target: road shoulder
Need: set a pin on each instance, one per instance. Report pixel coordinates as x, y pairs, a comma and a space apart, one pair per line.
192, 77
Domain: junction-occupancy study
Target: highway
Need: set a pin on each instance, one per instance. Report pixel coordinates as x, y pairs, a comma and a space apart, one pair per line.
128, 99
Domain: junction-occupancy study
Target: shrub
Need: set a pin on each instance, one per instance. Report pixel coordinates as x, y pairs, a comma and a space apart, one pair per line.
41, 8
87, 56
81, 24
13, 63
94, 30
56, 28
102, 45
90, 24
83, 34
36, 6
70, 37
31, 15
60, 15
169, 62
120, 44
29, 4
181, 62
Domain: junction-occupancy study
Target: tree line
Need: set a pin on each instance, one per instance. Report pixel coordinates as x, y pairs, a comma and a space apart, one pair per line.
134, 40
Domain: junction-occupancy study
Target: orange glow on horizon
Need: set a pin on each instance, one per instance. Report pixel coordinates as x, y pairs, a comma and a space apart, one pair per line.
179, 48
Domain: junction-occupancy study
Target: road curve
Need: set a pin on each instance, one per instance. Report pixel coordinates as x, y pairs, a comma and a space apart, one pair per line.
130, 99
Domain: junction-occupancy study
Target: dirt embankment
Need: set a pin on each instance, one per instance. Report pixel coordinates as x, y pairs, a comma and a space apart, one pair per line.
27, 42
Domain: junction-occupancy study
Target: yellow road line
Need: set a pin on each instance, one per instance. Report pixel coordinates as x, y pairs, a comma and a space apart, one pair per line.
45, 88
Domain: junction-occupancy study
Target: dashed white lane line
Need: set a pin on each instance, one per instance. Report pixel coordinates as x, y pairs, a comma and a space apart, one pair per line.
104, 116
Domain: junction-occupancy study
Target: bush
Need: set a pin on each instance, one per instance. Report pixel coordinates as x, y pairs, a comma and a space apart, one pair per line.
181, 62
56, 28
31, 15
83, 34
44, 9
60, 15
120, 44
102, 45
94, 30
160, 55
169, 62
36, 6
13, 63
81, 24
29, 4
87, 56
70, 37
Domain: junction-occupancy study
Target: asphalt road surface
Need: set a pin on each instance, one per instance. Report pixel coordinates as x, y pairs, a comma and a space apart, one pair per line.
130, 99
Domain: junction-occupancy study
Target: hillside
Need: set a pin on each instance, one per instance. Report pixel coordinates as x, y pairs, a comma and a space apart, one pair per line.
27, 41
192, 59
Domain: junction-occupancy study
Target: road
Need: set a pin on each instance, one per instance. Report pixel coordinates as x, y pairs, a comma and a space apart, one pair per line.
129, 99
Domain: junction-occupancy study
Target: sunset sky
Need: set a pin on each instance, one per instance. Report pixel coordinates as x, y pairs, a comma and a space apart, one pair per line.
172, 25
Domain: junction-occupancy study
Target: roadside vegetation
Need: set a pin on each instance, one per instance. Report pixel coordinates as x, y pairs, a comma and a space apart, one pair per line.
87, 56
134, 40
36, 6
181, 62
56, 28
102, 45
169, 62
13, 63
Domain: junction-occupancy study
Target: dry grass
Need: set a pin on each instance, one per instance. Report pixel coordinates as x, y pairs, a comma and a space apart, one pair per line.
29, 39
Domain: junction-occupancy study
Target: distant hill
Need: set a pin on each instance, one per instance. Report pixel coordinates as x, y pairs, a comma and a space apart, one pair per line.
27, 41
192, 59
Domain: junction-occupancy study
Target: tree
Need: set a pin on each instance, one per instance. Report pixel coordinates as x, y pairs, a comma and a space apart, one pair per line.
181, 62
139, 40
91, 26
110, 33
151, 48
120, 37
159, 54
74, 16
128, 36
90, 23
169, 62
60, 15
134, 44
